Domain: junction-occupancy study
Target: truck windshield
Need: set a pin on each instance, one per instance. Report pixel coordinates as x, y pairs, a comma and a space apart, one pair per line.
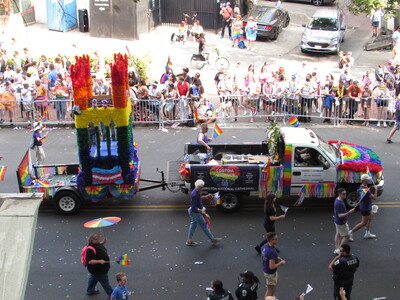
331, 152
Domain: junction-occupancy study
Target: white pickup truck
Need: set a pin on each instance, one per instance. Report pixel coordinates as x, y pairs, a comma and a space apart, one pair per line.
297, 160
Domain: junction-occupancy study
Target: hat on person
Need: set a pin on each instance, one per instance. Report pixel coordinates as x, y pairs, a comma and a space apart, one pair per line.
25, 83
294, 76
228, 3
154, 83
247, 274
251, 18
37, 126
365, 177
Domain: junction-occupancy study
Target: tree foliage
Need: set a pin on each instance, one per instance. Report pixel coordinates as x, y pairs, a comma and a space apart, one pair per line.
390, 7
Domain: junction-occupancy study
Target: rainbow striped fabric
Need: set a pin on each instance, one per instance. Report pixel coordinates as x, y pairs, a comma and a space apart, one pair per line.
123, 260
107, 176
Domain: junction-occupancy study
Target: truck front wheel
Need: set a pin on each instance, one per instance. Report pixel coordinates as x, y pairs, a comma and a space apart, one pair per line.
353, 198
67, 202
229, 202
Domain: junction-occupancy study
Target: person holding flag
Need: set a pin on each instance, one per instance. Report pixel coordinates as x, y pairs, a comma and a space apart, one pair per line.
38, 142
202, 137
367, 195
340, 219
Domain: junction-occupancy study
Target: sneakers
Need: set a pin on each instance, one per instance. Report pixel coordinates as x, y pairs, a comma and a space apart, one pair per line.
252, 120
351, 236
95, 292
337, 251
384, 124
389, 141
234, 120
258, 249
215, 240
369, 235
378, 125
191, 243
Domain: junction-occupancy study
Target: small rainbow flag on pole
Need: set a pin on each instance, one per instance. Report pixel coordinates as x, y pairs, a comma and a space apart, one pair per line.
169, 62
208, 222
123, 260
302, 195
195, 116
3, 170
217, 199
370, 175
284, 209
45, 114
217, 131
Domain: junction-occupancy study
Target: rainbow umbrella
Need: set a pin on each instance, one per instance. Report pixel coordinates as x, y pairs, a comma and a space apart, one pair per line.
102, 222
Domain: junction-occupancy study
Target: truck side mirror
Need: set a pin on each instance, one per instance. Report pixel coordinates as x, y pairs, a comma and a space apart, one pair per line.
326, 165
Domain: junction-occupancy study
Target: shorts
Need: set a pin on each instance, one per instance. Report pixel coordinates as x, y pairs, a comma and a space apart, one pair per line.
382, 103
365, 213
375, 23
397, 125
342, 230
271, 279
306, 102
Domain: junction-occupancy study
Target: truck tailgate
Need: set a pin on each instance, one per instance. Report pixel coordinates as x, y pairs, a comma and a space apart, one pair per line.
173, 176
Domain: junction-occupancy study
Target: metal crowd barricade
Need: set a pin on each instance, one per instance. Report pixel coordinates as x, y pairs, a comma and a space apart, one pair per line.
224, 109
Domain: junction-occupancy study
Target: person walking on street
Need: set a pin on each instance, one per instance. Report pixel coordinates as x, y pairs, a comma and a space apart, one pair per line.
237, 27
247, 289
343, 267
366, 207
197, 213
340, 219
121, 291
38, 142
251, 32
397, 121
218, 292
98, 265
271, 263
269, 218
376, 19
226, 12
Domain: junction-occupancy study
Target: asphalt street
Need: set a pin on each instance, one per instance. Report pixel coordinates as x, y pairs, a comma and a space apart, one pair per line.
155, 223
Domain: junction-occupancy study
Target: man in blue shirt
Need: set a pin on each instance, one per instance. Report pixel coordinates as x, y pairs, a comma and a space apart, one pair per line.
52, 77
271, 263
365, 207
197, 213
340, 219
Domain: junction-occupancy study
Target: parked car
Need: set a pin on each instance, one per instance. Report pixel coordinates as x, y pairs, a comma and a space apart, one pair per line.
270, 21
315, 2
324, 32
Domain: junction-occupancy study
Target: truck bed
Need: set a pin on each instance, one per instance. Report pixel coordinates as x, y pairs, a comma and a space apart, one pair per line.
239, 148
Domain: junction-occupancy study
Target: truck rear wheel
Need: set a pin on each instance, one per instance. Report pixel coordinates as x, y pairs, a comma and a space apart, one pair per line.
353, 198
67, 202
229, 202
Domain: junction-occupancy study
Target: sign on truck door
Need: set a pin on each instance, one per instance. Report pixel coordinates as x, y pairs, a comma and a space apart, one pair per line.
310, 166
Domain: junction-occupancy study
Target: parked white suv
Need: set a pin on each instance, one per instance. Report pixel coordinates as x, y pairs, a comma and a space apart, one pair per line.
324, 32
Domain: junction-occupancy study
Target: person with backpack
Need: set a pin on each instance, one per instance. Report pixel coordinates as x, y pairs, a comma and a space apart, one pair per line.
397, 121
94, 256
226, 12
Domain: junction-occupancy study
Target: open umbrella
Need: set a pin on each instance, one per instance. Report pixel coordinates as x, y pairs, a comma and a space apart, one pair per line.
102, 222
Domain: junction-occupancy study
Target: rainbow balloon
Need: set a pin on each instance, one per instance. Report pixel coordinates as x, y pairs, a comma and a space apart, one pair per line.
123, 260
294, 122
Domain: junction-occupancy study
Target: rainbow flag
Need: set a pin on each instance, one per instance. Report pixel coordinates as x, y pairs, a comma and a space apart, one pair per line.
195, 116
302, 195
208, 222
370, 175
362, 192
45, 114
3, 170
217, 131
284, 209
264, 167
217, 199
169, 62
123, 260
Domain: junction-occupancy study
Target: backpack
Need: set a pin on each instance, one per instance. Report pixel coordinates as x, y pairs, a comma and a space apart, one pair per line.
83, 254
241, 45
